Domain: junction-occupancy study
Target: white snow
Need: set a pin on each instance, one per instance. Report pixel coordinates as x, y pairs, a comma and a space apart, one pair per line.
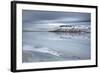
42, 50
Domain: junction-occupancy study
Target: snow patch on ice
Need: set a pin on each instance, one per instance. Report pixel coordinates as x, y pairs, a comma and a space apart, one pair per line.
42, 50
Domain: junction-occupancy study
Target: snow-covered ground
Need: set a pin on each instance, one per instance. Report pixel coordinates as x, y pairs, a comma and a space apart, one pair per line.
41, 49
55, 46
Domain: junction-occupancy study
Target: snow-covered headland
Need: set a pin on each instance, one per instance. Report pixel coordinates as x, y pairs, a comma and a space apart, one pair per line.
71, 28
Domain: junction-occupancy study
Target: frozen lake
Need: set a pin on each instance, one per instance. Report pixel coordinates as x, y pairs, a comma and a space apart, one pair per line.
55, 46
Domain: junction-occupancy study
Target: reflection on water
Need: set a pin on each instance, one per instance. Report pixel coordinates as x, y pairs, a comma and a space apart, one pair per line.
55, 46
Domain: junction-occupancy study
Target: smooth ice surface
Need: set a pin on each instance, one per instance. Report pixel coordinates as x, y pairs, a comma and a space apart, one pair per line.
55, 46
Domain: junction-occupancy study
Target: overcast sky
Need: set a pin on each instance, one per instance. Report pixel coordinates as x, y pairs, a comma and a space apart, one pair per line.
32, 19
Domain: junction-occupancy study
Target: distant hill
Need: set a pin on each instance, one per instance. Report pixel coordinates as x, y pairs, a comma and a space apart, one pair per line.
71, 28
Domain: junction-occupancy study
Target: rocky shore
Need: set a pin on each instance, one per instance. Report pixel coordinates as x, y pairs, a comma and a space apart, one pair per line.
69, 28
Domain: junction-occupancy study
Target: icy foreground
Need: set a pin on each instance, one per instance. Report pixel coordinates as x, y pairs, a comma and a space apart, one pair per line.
41, 50
55, 46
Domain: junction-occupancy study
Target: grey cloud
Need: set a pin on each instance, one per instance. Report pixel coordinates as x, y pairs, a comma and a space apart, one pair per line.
36, 18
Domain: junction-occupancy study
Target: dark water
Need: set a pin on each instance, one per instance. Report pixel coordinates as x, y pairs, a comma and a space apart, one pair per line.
55, 46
